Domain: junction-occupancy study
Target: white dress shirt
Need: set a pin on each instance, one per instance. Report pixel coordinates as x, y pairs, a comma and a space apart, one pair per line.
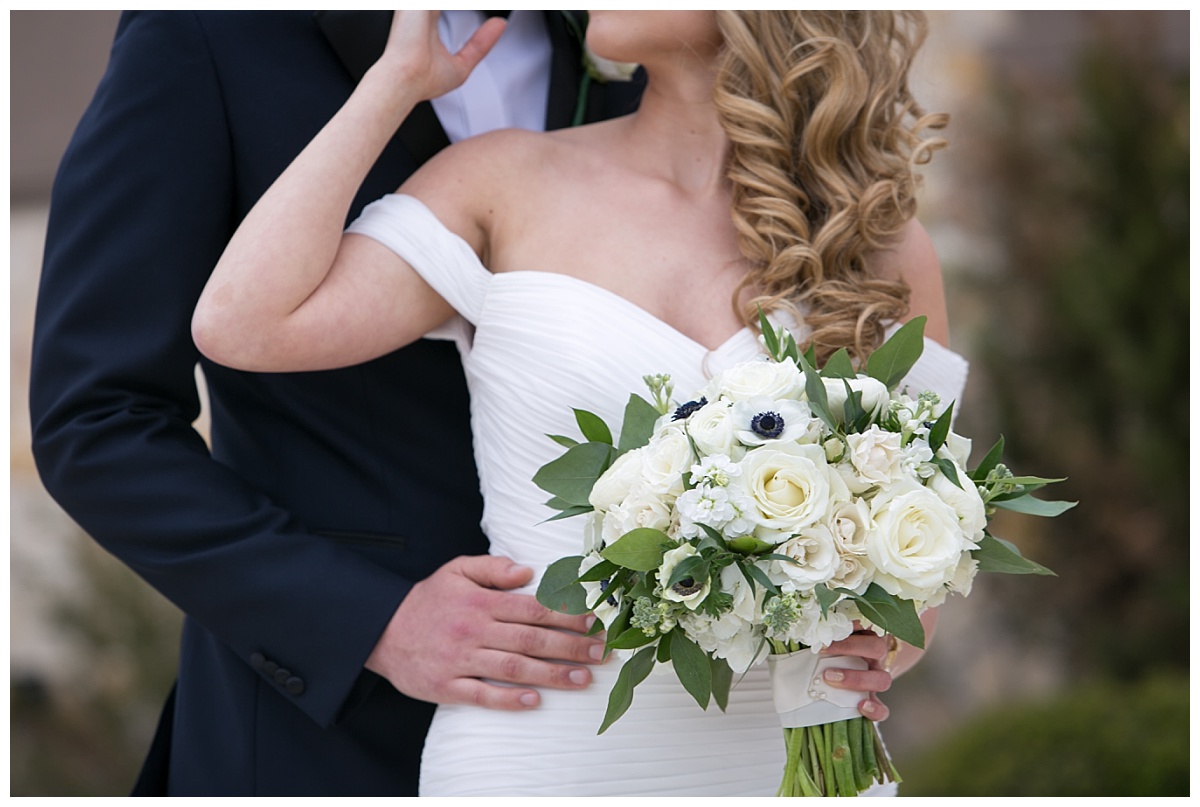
509, 88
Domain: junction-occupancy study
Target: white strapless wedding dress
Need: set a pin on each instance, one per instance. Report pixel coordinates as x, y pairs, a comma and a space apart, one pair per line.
534, 345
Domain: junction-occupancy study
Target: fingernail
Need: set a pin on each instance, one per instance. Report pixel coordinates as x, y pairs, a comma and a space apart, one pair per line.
835, 675
579, 677
529, 700
868, 707
591, 620
596, 652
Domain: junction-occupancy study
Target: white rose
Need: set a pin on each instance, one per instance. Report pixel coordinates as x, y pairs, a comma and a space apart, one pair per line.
875, 395
791, 487
965, 501
850, 524
916, 544
750, 379
816, 559
665, 460
761, 420
854, 572
875, 455
642, 508
959, 448
614, 485
712, 428
606, 606
688, 591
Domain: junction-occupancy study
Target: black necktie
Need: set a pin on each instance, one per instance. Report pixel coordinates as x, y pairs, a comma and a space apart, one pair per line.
503, 14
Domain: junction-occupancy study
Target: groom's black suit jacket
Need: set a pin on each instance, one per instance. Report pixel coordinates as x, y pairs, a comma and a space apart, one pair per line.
327, 494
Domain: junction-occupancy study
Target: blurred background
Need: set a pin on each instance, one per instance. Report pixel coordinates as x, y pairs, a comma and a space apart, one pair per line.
1061, 214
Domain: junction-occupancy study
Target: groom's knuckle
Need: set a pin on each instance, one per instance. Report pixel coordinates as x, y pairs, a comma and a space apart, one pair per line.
510, 667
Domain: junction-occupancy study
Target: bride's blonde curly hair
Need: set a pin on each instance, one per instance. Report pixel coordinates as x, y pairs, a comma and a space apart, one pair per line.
825, 137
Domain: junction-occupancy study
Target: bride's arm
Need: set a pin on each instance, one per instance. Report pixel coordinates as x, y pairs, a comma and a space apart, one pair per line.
290, 293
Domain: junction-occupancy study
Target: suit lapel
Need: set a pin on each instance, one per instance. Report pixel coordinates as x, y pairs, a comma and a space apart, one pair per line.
358, 39
566, 69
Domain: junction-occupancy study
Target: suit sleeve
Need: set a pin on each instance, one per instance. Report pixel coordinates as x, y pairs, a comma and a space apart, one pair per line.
141, 209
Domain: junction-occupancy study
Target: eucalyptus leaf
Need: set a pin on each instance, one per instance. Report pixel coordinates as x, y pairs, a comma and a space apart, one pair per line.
996, 555
892, 360
632, 673
641, 549
722, 680
593, 427
838, 365
604, 570
1034, 507
559, 589
571, 476
638, 424
895, 615
693, 667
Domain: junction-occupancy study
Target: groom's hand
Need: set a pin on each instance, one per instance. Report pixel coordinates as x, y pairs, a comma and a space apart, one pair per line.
461, 624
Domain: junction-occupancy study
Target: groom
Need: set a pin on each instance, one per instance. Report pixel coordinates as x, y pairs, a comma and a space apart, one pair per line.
317, 550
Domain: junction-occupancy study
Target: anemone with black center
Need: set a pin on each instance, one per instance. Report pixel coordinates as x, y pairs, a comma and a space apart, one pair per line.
767, 424
688, 409
687, 586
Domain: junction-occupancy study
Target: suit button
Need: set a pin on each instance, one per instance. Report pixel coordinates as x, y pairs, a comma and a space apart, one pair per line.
282, 675
257, 660
294, 685
269, 667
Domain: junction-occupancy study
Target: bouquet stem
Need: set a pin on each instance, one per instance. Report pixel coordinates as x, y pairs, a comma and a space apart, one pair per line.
835, 759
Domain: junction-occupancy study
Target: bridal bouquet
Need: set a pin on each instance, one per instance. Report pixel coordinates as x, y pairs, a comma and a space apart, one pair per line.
766, 516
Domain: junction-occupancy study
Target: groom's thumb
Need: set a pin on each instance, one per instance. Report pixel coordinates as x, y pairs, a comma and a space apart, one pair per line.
494, 572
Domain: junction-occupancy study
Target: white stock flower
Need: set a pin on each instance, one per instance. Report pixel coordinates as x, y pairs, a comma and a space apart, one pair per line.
711, 427
614, 485
791, 487
916, 544
761, 420
733, 635
815, 556
705, 505
965, 502
778, 380
689, 591
875, 395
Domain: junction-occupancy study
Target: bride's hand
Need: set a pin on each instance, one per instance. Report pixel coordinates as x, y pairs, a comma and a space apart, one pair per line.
416, 56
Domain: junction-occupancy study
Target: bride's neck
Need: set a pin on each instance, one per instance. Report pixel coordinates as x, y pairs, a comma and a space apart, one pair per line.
677, 133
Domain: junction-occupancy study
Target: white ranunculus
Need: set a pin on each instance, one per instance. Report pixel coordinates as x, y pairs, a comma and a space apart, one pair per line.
815, 556
875, 395
959, 448
916, 544
778, 380
665, 459
614, 485
875, 455
965, 501
791, 487
605, 605
642, 508
850, 524
761, 420
853, 572
690, 592
712, 428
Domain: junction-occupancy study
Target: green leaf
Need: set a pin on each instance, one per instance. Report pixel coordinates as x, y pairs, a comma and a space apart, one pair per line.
939, 431
892, 360
996, 555
895, 615
990, 461
630, 639
641, 549
571, 476
604, 570
838, 365
664, 650
818, 399
749, 545
563, 440
632, 673
571, 510
826, 597
560, 590
638, 424
694, 567
853, 413
757, 575
712, 539
948, 469
722, 680
692, 666
1034, 507
593, 428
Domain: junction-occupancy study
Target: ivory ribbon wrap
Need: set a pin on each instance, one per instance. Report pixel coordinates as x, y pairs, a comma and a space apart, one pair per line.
802, 698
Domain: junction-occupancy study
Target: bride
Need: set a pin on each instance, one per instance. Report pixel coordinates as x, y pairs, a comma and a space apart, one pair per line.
568, 265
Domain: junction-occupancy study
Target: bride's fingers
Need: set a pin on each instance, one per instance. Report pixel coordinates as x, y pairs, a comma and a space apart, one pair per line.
867, 645
873, 709
858, 680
